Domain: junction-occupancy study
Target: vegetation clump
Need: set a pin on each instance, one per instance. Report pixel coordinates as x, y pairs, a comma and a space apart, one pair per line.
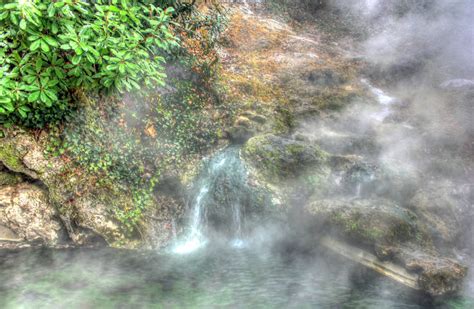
74, 68
51, 50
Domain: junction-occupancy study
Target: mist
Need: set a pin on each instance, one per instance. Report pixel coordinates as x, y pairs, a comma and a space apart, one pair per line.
422, 54
323, 162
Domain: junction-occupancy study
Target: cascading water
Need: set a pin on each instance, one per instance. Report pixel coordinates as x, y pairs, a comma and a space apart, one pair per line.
383, 99
217, 202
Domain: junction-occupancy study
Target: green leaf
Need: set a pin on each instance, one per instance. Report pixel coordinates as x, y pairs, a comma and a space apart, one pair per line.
51, 10
52, 42
34, 96
38, 64
45, 99
44, 46
23, 24
35, 45
52, 95
76, 59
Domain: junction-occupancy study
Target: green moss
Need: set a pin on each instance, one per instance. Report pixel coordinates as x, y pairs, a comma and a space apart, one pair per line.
11, 158
284, 121
334, 99
7, 178
277, 160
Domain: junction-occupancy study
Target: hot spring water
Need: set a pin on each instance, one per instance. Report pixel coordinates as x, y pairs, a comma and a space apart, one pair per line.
214, 263
216, 198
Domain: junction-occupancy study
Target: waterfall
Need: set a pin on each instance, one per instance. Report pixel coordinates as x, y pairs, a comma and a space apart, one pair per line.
383, 99
216, 202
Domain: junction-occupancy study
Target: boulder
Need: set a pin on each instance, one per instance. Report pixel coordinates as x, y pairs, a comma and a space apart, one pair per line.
9, 178
7, 234
368, 221
25, 209
279, 158
239, 134
394, 235
437, 275
443, 207
87, 210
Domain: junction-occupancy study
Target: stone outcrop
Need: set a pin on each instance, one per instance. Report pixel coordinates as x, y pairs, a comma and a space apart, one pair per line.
73, 199
392, 234
278, 158
364, 205
366, 221
25, 210
437, 275
445, 209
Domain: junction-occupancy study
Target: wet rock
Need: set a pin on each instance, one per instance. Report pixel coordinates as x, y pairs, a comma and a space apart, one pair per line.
381, 181
243, 122
348, 144
393, 234
278, 158
9, 178
25, 209
368, 221
443, 207
437, 275
94, 215
259, 119
239, 134
159, 221
7, 234
340, 141
86, 208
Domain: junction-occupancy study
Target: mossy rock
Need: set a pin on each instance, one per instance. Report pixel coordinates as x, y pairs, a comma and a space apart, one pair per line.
278, 158
370, 221
9, 179
11, 158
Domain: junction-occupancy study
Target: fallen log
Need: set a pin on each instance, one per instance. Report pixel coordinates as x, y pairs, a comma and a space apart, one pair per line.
369, 260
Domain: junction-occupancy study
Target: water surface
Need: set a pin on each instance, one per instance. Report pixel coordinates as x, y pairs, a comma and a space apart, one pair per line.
211, 278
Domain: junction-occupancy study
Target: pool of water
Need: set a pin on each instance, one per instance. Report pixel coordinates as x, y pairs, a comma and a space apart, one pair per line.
220, 277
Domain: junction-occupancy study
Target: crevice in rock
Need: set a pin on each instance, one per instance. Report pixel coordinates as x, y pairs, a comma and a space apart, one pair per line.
12, 178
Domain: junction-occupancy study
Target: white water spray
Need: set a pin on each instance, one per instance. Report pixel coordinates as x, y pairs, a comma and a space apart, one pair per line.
219, 190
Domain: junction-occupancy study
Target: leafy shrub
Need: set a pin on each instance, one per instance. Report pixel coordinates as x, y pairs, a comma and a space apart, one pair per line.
130, 142
50, 50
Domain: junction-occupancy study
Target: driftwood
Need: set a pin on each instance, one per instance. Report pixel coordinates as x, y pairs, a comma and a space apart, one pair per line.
369, 260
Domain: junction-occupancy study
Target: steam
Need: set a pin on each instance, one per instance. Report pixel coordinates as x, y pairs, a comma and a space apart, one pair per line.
421, 54
438, 33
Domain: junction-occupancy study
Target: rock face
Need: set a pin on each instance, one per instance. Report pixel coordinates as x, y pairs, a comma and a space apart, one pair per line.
7, 234
58, 204
369, 221
279, 158
84, 208
392, 233
25, 209
364, 205
9, 178
437, 275
444, 208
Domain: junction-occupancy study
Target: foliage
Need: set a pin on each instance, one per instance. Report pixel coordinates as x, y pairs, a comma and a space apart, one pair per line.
133, 142
50, 50
183, 119
200, 33
129, 142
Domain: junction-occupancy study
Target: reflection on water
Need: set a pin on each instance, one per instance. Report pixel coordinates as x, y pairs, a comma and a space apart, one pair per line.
215, 277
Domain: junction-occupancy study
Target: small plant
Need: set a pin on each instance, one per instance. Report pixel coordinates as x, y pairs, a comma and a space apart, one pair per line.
50, 50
